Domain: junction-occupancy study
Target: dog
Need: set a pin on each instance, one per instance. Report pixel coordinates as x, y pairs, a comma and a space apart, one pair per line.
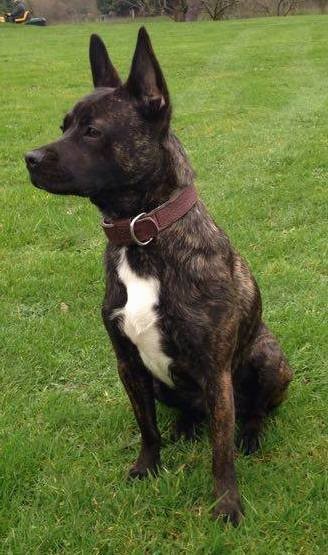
181, 307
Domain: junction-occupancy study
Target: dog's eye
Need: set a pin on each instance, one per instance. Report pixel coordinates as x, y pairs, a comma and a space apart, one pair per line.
92, 132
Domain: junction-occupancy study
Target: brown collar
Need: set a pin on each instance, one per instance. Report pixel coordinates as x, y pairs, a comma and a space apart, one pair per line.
145, 227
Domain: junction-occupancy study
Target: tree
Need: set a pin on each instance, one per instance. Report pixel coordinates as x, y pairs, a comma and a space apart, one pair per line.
277, 7
104, 6
194, 9
5, 6
217, 9
61, 10
322, 5
285, 6
176, 9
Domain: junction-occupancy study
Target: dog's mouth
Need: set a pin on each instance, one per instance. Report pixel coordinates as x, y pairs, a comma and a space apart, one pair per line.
37, 182
48, 174
55, 181
45, 171
51, 184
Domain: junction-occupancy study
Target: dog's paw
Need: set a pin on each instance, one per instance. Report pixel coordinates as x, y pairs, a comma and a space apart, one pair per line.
228, 510
140, 470
249, 442
184, 429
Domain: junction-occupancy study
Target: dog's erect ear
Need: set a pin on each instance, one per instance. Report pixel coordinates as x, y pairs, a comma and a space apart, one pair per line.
146, 81
104, 73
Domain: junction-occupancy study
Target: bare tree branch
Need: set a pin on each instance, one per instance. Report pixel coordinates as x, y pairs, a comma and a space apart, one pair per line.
217, 8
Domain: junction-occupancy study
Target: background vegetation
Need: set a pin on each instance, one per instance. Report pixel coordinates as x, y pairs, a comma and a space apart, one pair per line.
251, 105
178, 10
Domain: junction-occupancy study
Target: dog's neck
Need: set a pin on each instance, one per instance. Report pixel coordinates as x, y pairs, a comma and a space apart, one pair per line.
173, 173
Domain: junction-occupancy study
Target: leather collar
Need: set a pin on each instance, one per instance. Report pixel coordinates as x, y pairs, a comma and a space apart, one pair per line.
144, 228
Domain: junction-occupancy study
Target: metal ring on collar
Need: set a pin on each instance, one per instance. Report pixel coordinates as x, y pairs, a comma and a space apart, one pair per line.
133, 235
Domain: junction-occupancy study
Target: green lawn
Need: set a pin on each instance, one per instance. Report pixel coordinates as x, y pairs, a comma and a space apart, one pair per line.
251, 106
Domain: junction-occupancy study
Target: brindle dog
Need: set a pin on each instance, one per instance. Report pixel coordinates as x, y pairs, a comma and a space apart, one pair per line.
117, 149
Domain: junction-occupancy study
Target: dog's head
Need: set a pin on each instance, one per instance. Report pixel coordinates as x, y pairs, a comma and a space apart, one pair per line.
112, 138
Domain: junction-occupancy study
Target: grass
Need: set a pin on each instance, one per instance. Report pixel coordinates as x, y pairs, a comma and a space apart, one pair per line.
251, 105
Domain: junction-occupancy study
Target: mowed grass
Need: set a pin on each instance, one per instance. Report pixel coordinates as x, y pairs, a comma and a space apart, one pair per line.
251, 106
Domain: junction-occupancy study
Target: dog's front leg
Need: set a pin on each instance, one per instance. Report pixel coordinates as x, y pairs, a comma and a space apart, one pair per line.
139, 387
222, 415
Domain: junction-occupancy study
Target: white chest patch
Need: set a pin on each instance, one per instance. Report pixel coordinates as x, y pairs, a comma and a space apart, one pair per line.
139, 319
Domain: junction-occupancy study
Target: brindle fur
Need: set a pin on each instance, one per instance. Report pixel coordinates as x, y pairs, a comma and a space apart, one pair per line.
226, 363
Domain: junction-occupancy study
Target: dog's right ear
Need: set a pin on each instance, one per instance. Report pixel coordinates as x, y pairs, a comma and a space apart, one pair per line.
104, 73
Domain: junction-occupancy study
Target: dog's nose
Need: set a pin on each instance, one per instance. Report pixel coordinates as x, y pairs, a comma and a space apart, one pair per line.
34, 158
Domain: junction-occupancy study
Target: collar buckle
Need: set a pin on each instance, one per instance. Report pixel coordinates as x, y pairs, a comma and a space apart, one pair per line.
132, 231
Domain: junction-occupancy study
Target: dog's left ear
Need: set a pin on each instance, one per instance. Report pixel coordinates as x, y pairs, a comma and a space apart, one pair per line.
146, 81
104, 73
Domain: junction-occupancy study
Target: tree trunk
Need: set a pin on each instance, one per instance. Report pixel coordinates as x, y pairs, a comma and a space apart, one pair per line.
194, 9
177, 10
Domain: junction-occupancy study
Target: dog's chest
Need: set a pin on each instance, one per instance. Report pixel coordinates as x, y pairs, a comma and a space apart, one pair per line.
139, 319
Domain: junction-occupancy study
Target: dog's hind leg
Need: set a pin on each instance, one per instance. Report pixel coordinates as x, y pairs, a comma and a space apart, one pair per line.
191, 412
263, 383
188, 425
